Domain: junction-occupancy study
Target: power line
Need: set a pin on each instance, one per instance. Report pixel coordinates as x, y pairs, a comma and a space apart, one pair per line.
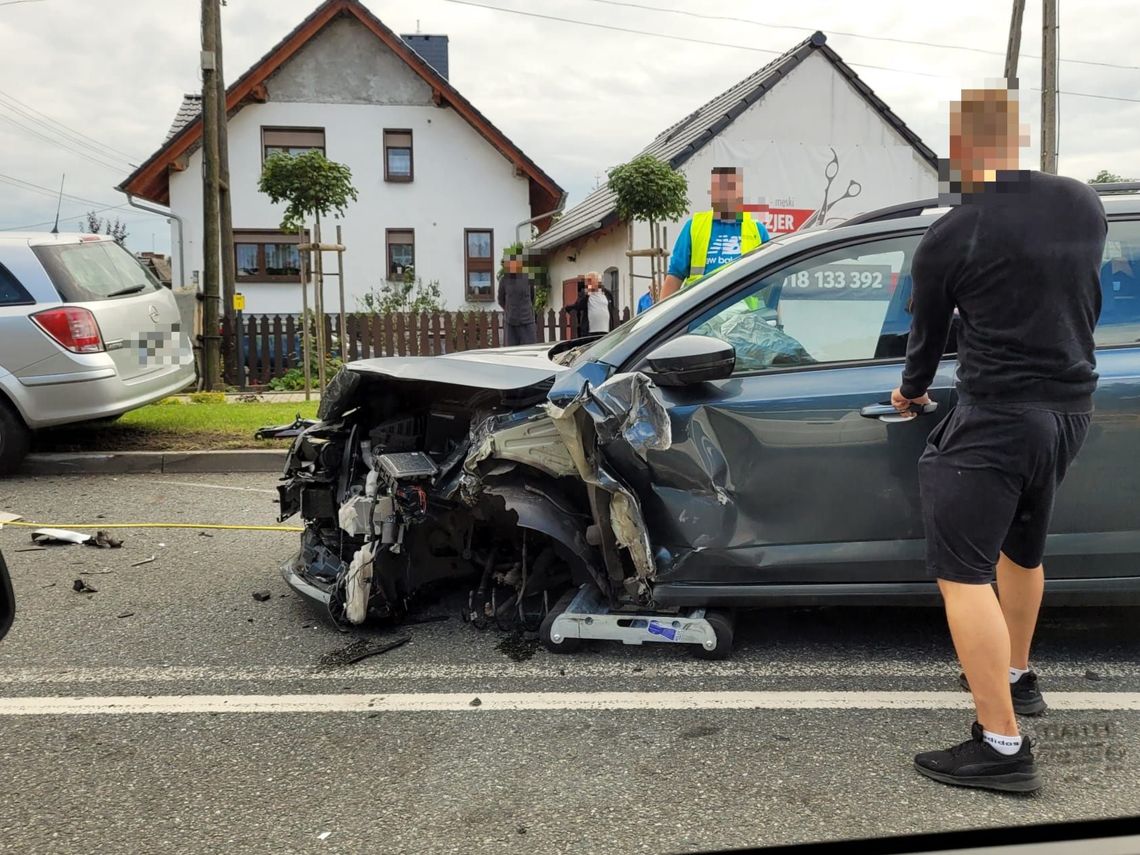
64, 145
744, 47
63, 220
669, 36
48, 191
56, 126
737, 20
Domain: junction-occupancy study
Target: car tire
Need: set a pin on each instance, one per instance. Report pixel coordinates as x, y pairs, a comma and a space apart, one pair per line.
724, 625
566, 645
15, 439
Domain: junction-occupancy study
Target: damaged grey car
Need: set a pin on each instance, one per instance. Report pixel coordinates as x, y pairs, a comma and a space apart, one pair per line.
730, 447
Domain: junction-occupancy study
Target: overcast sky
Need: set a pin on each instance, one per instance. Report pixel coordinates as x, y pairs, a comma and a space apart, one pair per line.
578, 99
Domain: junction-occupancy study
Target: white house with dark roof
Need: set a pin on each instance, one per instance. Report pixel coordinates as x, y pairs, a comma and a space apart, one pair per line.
441, 189
816, 145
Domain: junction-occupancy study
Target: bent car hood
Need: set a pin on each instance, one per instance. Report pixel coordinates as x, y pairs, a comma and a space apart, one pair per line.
500, 369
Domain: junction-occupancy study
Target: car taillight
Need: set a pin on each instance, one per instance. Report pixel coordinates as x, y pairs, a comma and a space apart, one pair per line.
74, 328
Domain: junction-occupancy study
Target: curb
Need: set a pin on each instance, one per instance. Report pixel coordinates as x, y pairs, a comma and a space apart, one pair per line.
155, 462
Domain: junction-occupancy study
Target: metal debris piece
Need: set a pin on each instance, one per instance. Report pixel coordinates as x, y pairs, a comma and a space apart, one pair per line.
144, 561
31, 549
58, 535
204, 534
262, 596
324, 835
376, 651
105, 541
475, 702
427, 619
125, 614
104, 572
81, 586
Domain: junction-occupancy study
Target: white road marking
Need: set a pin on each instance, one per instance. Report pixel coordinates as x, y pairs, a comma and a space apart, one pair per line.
561, 668
213, 486
529, 701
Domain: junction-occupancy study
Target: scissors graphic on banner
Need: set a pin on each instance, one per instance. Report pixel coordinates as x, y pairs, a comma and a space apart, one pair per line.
854, 188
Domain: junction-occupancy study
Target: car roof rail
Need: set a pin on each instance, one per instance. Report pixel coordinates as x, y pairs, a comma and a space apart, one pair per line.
913, 209
893, 212
1117, 187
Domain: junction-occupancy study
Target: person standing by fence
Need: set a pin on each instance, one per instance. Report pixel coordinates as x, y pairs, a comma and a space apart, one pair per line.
516, 296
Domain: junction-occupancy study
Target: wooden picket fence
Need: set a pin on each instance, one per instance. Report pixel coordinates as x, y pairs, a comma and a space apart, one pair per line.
272, 344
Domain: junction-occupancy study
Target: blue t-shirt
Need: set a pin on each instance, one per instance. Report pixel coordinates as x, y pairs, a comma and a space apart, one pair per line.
645, 302
724, 246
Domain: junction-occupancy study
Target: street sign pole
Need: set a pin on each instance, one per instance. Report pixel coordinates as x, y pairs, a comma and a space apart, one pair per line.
239, 308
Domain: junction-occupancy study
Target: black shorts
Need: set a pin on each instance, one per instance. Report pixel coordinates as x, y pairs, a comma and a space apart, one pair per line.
988, 479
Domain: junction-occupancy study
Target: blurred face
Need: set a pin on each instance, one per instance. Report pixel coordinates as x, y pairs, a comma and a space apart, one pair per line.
985, 135
592, 283
727, 192
514, 265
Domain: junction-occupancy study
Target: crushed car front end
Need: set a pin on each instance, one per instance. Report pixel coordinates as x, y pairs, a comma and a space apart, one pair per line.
427, 470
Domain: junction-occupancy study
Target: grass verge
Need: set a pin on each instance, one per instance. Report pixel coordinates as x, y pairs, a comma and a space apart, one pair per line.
178, 427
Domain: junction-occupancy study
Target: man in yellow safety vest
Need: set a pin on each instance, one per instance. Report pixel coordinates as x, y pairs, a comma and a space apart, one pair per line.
711, 239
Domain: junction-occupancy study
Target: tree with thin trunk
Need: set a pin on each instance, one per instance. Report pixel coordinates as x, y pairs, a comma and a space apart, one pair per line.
310, 184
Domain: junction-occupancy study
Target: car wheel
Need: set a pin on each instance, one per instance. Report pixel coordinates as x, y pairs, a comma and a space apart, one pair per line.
566, 645
15, 439
724, 626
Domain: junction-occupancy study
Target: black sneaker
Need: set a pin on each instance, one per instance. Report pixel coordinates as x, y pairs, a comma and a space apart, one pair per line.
975, 764
1027, 698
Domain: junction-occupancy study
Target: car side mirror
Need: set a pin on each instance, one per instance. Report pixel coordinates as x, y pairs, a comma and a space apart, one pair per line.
7, 599
691, 359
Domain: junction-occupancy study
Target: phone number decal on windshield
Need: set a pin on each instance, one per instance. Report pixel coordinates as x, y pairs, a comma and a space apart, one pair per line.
839, 282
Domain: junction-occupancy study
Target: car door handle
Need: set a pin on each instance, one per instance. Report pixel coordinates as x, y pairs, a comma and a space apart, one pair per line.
887, 413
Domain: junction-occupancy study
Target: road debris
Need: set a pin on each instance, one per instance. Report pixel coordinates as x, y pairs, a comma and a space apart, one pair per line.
144, 561
105, 541
475, 702
31, 549
376, 651
58, 535
1092, 675
81, 586
104, 572
324, 835
204, 534
126, 615
6, 517
262, 596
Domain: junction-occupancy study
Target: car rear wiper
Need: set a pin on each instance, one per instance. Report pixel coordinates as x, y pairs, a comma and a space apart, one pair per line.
122, 292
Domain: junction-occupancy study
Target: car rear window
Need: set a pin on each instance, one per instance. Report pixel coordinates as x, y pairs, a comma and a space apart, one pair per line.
95, 270
12, 293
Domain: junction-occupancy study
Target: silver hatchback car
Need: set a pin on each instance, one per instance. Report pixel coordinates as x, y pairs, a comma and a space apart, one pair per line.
86, 333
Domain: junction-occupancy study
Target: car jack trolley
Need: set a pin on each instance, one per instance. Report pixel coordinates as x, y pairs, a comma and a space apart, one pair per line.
583, 614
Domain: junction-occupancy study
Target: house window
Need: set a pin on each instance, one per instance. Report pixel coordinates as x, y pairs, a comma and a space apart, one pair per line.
479, 250
267, 256
401, 252
291, 140
397, 155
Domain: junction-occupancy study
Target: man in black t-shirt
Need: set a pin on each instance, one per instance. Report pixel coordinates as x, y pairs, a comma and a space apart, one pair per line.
1019, 258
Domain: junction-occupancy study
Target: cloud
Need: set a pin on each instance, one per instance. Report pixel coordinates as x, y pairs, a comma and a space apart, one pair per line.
577, 99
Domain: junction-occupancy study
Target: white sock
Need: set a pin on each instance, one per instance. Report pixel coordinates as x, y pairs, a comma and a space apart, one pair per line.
1016, 673
1007, 745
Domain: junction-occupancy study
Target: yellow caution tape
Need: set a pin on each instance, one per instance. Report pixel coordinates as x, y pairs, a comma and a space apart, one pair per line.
159, 525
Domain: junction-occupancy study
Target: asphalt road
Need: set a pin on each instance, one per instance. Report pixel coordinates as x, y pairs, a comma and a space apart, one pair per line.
394, 774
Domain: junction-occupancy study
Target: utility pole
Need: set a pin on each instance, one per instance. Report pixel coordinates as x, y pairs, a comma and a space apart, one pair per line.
225, 220
1013, 48
212, 344
1049, 87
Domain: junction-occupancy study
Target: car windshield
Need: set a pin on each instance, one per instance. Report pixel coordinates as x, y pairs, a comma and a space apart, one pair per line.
94, 270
